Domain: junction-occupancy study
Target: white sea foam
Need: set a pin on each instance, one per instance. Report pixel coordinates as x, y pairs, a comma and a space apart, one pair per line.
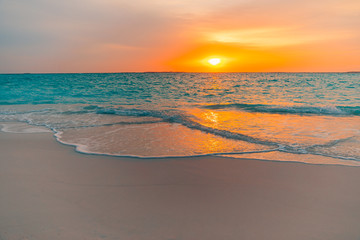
151, 140
190, 131
22, 128
290, 157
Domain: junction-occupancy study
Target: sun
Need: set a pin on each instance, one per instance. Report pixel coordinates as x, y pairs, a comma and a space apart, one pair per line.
214, 61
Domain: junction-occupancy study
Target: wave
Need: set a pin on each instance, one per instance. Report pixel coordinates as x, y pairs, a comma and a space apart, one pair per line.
80, 116
16, 112
170, 115
176, 117
183, 119
300, 110
112, 124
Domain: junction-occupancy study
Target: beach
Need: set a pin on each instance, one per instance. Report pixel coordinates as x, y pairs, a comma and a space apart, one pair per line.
49, 191
180, 120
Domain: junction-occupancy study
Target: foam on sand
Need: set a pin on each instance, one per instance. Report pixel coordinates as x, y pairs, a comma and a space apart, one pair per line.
16, 127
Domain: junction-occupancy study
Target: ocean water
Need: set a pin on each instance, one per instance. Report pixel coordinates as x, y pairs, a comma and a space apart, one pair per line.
305, 117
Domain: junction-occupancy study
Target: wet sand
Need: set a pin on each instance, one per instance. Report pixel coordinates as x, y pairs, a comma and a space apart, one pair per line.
49, 191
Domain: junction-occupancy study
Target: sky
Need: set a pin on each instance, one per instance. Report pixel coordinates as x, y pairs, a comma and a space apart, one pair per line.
179, 35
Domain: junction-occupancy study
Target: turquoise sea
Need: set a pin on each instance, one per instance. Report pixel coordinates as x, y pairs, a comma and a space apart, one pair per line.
305, 117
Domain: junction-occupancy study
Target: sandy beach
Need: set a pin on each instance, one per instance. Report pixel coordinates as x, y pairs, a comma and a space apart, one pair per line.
49, 191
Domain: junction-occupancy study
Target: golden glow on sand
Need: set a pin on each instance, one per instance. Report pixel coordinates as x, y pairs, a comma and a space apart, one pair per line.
214, 61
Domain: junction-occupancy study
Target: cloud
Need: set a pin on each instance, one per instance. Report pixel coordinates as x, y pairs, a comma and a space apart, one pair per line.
81, 30
141, 35
299, 35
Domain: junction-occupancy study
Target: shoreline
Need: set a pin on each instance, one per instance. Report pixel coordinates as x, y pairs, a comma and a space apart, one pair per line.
49, 191
273, 155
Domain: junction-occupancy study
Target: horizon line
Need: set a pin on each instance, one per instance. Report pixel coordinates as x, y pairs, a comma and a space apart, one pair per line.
176, 72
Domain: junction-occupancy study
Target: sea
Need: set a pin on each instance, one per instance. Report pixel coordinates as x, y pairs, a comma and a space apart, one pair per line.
304, 117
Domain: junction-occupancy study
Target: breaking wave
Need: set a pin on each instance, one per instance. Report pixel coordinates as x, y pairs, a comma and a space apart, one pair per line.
300, 110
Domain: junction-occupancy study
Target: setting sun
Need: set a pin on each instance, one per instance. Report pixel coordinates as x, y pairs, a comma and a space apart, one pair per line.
214, 61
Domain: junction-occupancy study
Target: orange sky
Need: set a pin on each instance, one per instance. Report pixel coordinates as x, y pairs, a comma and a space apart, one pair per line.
179, 35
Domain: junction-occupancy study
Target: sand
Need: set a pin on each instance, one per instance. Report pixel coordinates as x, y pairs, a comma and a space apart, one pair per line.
48, 191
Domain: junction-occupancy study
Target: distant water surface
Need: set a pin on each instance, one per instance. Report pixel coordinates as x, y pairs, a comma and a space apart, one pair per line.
306, 117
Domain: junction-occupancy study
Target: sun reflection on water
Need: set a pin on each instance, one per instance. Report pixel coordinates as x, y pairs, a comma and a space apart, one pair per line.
289, 129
